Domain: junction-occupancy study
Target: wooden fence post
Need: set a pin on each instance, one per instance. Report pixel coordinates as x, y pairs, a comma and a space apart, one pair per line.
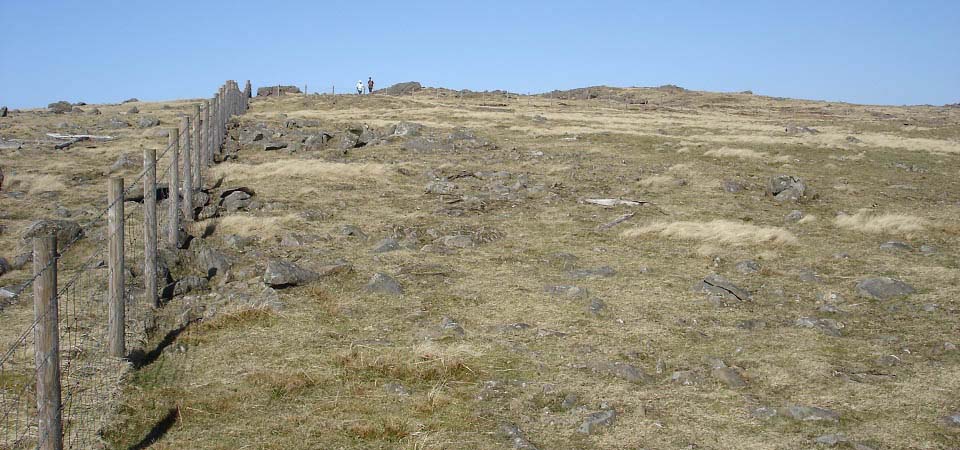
187, 191
150, 227
205, 142
173, 213
197, 173
47, 341
115, 316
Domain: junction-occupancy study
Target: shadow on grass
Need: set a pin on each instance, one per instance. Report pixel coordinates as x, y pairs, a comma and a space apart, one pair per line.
141, 359
159, 429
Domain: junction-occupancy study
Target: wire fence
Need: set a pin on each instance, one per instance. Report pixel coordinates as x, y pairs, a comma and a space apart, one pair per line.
96, 291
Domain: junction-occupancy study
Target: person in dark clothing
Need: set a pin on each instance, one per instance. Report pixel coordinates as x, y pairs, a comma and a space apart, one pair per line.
369, 85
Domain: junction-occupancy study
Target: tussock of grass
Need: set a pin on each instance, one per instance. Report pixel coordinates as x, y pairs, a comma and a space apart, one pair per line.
402, 364
281, 384
36, 184
263, 227
744, 153
717, 232
658, 181
298, 168
239, 317
867, 222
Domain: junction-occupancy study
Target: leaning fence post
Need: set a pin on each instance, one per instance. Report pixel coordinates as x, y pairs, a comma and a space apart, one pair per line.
47, 338
150, 226
187, 190
197, 173
173, 213
115, 316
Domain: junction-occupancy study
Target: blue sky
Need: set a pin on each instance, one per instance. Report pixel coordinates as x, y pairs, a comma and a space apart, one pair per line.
879, 52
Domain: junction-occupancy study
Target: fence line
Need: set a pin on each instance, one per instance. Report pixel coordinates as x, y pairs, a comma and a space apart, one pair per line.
60, 377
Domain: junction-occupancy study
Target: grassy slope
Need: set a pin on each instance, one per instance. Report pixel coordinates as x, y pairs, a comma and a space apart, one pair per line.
313, 374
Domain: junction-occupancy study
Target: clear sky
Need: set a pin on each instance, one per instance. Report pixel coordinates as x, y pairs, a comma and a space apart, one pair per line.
881, 52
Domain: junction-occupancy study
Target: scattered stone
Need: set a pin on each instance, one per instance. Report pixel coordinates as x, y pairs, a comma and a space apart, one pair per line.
148, 122
794, 216
752, 324
747, 267
831, 440
685, 377
405, 88
569, 402
4, 266
386, 245
270, 91
281, 274
236, 241
827, 326
382, 283
596, 307
440, 187
337, 267
3, 111
450, 328
928, 249
568, 292
623, 371
113, 123
729, 376
457, 241
407, 129
597, 420
883, 288
396, 389
60, 107
237, 200
809, 276
896, 246
21, 260
352, 231
125, 161
951, 420
133, 110
189, 284
600, 272
733, 186
270, 146
889, 361
131, 100
213, 262
717, 285
808, 413
516, 437
787, 188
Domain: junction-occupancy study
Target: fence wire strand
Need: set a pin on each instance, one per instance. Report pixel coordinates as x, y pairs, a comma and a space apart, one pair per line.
91, 379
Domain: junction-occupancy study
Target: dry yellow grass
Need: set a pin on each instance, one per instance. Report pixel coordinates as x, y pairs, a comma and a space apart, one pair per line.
728, 152
36, 184
868, 222
298, 168
252, 226
716, 231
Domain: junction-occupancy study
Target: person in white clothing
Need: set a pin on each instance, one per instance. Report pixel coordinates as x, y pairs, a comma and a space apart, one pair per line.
359, 87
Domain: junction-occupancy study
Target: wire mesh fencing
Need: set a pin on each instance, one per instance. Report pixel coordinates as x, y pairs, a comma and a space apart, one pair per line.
95, 292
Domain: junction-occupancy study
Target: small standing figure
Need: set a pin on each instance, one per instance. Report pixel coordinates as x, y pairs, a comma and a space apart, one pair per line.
369, 85
359, 87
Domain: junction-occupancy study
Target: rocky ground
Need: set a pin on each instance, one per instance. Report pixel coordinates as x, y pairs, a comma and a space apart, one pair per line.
597, 268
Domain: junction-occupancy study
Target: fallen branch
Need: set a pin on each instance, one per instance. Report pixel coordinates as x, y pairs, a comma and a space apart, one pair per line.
67, 144
615, 222
613, 202
77, 136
